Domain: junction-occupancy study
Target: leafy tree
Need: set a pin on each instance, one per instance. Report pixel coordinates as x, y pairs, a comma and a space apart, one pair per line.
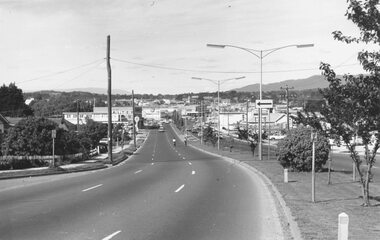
242, 134
94, 131
295, 150
31, 136
12, 102
352, 103
209, 135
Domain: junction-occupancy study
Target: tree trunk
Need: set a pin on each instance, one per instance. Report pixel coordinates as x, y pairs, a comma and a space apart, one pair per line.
366, 201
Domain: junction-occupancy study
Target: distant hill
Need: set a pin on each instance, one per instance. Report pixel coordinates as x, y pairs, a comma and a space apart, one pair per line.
313, 82
94, 90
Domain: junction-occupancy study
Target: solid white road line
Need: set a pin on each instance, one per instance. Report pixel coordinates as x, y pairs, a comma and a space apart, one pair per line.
180, 188
88, 189
138, 171
111, 235
193, 172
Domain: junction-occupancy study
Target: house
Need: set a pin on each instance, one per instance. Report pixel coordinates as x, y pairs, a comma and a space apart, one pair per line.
4, 124
61, 122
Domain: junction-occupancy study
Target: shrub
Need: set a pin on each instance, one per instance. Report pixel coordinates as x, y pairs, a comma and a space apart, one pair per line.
295, 150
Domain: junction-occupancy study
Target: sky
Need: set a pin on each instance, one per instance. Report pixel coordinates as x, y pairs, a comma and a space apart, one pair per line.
157, 46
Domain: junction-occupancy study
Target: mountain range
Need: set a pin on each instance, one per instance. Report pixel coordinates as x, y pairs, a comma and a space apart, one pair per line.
95, 90
313, 82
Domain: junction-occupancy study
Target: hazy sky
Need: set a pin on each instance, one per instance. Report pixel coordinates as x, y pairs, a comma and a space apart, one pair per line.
49, 44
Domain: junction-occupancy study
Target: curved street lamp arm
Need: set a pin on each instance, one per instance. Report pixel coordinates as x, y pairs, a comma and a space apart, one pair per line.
229, 79
206, 79
269, 51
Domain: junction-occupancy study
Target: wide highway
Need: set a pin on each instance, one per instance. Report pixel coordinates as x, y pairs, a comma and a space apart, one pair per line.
161, 192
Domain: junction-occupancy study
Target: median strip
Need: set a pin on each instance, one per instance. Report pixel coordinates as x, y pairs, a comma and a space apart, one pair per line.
88, 189
180, 188
111, 235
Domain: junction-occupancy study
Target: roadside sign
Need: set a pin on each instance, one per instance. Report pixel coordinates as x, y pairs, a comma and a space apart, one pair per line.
264, 103
53, 133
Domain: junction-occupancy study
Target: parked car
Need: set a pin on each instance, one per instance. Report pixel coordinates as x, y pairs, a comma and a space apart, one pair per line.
276, 137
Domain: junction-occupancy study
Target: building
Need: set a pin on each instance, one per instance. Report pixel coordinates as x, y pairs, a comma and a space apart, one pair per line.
4, 124
100, 114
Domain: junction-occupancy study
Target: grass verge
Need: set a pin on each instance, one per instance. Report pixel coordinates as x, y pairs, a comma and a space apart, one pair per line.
318, 220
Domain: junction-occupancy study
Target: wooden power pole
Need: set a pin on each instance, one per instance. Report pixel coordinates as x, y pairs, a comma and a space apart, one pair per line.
109, 100
133, 120
286, 88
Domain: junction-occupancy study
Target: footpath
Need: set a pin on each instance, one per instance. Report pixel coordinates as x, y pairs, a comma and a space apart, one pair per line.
119, 154
318, 220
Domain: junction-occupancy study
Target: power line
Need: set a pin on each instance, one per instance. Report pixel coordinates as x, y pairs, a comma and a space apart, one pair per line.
82, 73
208, 71
61, 72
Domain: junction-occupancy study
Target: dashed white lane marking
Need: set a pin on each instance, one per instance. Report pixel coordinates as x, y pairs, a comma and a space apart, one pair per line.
193, 172
189, 163
88, 189
183, 158
138, 171
180, 188
152, 163
111, 235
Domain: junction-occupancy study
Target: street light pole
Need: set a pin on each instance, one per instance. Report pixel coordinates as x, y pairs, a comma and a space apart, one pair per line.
218, 82
218, 115
261, 54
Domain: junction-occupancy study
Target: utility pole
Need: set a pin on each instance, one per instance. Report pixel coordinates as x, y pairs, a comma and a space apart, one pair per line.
287, 104
77, 117
109, 100
133, 120
202, 122
247, 114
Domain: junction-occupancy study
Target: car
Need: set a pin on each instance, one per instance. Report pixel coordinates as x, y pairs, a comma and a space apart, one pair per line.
161, 129
276, 137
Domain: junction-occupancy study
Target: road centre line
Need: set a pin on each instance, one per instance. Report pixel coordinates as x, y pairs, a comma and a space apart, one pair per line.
180, 188
138, 171
88, 189
111, 235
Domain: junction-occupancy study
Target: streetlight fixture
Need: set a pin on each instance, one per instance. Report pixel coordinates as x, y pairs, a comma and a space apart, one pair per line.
218, 82
260, 54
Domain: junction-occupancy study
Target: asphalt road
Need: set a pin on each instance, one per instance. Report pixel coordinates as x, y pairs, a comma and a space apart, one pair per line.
162, 192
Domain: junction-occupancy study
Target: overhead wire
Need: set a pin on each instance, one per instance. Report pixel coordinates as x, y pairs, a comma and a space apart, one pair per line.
62, 71
208, 71
82, 73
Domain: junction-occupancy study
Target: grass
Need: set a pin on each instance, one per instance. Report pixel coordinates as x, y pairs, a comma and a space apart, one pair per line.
319, 220
50, 171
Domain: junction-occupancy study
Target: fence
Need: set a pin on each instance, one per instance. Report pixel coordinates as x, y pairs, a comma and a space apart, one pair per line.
22, 162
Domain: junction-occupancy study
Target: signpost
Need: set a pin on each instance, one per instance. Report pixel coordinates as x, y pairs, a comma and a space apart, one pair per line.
264, 103
53, 135
137, 123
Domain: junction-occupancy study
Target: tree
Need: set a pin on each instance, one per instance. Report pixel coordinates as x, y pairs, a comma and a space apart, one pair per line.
295, 150
12, 102
209, 135
94, 131
352, 103
31, 136
365, 14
